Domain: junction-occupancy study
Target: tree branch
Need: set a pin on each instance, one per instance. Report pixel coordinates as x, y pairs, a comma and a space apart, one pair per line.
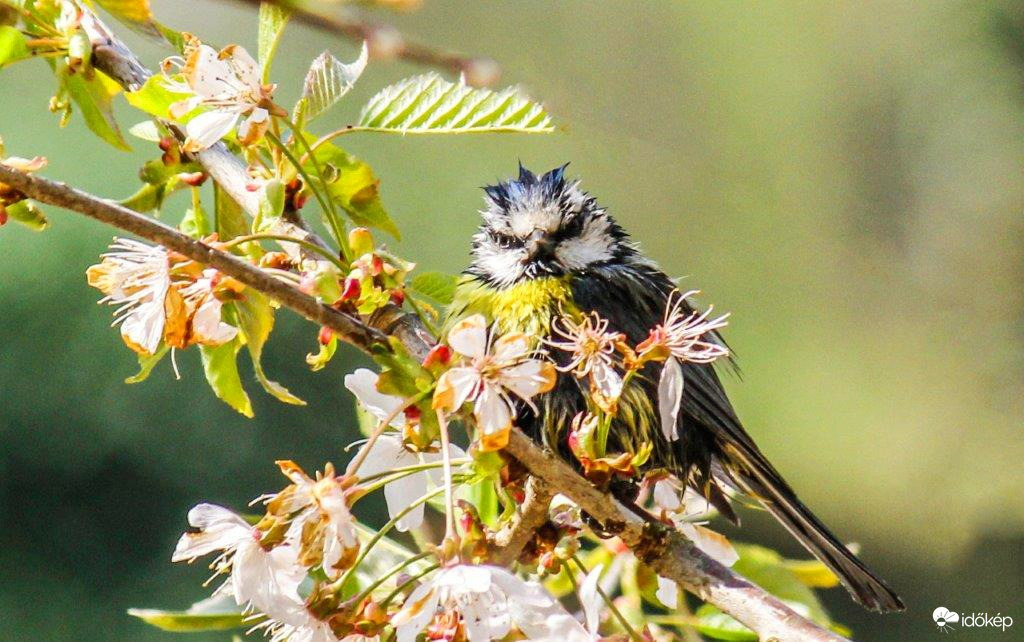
385, 41
510, 541
46, 191
665, 550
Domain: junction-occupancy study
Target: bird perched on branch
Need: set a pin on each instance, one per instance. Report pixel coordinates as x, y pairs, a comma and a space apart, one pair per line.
548, 254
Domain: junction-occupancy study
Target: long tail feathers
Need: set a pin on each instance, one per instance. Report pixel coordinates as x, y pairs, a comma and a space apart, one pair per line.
760, 480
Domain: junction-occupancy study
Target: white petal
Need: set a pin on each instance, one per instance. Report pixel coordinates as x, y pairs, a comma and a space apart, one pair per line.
268, 580
210, 76
207, 326
465, 384
591, 600
666, 495
363, 384
245, 68
667, 593
670, 396
492, 412
469, 337
607, 378
219, 529
144, 327
715, 545
209, 127
528, 378
257, 116
416, 613
511, 347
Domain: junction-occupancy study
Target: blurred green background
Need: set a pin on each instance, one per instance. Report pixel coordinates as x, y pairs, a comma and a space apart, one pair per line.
845, 177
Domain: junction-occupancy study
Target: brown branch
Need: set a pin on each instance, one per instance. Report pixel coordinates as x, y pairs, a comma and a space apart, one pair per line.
670, 554
509, 542
386, 42
44, 190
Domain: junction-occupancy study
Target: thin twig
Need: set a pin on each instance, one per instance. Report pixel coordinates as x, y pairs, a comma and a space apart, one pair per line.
509, 542
385, 41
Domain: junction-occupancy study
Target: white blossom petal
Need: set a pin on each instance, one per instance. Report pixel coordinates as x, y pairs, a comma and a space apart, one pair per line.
716, 546
591, 600
363, 384
670, 396
469, 337
218, 529
667, 593
492, 412
529, 378
209, 127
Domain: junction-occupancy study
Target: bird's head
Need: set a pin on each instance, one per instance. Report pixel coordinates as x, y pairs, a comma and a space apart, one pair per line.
537, 226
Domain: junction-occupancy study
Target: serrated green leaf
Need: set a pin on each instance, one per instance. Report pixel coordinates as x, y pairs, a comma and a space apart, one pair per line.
28, 214
212, 614
429, 104
328, 79
155, 97
146, 365
435, 285
220, 364
272, 21
94, 99
12, 45
256, 320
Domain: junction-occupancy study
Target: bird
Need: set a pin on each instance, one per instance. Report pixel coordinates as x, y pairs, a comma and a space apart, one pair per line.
547, 249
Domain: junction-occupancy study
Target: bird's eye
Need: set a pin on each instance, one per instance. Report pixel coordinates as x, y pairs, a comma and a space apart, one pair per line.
507, 241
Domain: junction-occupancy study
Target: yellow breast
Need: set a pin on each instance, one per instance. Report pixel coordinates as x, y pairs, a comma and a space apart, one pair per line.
526, 307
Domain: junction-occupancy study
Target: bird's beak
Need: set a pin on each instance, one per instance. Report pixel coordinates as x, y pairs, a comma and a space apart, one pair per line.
538, 246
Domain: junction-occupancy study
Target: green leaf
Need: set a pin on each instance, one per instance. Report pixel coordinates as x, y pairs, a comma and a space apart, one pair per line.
155, 97
146, 130
256, 320
429, 104
717, 625
146, 365
231, 219
135, 13
212, 614
767, 569
196, 223
272, 21
28, 214
12, 45
483, 496
352, 184
94, 99
435, 285
328, 79
320, 359
221, 367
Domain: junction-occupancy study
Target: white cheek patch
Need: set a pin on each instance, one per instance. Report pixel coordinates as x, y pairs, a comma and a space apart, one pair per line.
593, 245
503, 266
